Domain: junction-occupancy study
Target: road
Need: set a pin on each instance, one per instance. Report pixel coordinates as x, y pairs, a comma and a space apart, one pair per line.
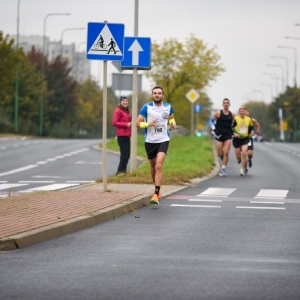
223, 238
50, 164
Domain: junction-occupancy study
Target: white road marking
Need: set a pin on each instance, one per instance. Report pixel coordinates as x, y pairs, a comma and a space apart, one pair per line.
81, 181
184, 205
203, 200
18, 170
218, 192
88, 163
51, 187
266, 202
272, 193
46, 176
41, 162
259, 207
25, 181
5, 186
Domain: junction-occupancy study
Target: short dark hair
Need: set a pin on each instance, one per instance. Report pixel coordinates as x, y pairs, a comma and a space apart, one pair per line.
158, 87
226, 99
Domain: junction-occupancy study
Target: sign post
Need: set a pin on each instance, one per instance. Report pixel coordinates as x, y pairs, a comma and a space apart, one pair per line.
192, 96
105, 42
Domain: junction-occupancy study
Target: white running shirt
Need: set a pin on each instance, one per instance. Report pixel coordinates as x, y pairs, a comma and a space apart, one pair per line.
158, 133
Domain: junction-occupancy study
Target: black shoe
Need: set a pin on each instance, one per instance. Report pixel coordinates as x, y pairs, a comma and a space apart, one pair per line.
250, 163
239, 161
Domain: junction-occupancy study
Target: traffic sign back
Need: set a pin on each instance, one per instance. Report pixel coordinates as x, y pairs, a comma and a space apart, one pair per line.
105, 41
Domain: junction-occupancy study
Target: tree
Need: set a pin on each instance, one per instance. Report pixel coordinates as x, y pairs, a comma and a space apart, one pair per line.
179, 67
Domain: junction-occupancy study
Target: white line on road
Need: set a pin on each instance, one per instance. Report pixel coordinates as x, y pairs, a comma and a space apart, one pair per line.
51, 187
266, 202
208, 206
41, 162
25, 181
261, 207
81, 181
18, 170
5, 186
279, 198
212, 196
203, 200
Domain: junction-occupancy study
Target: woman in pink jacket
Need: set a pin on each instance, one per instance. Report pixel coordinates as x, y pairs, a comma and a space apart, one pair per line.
122, 121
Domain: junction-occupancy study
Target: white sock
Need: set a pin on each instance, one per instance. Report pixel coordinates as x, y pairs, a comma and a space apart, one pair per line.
223, 167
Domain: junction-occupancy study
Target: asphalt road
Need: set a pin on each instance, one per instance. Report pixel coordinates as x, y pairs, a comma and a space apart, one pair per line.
223, 238
28, 164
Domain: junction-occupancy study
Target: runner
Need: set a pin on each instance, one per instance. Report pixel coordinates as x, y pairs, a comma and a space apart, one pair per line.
242, 126
251, 144
221, 125
154, 118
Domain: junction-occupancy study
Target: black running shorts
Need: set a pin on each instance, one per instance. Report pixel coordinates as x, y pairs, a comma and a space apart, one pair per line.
237, 142
224, 138
153, 148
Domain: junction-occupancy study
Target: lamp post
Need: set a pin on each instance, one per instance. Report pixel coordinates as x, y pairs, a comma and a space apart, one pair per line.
77, 58
287, 67
282, 69
295, 62
17, 74
43, 66
260, 91
274, 77
62, 35
270, 85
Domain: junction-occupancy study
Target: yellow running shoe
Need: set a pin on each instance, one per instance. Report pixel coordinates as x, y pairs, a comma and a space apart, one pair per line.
154, 199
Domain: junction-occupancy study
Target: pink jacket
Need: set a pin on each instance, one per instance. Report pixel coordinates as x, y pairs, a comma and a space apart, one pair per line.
120, 120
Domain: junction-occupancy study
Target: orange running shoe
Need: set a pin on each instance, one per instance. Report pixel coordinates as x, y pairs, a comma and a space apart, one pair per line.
154, 199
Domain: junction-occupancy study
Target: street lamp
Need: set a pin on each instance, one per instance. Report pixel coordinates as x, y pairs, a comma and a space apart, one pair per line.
17, 74
62, 35
43, 66
287, 67
274, 77
270, 85
260, 91
295, 68
282, 69
78, 58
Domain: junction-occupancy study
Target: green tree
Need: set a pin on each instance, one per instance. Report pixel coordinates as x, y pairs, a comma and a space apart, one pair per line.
179, 67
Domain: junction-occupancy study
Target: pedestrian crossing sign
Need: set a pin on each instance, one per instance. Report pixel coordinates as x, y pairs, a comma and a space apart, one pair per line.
105, 41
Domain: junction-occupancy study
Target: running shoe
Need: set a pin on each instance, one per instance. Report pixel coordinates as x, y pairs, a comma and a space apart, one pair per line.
154, 199
158, 195
242, 172
222, 173
239, 160
246, 170
250, 163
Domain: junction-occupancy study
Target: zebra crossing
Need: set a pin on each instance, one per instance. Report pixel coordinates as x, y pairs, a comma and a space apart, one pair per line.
7, 189
265, 199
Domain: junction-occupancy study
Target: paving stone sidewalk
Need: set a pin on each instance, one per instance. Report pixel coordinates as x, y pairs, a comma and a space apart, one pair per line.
27, 219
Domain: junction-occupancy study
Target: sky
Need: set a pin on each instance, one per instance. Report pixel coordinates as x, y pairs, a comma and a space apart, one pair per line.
246, 34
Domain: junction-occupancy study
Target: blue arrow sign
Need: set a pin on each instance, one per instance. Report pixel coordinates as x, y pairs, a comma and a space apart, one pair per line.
198, 107
105, 41
137, 53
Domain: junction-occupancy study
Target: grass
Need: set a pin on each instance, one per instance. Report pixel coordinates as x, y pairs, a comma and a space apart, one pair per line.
188, 157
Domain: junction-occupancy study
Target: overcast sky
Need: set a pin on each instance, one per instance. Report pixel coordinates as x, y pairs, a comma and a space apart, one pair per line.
245, 32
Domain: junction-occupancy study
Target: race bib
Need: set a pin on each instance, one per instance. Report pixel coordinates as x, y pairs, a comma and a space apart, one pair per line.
243, 130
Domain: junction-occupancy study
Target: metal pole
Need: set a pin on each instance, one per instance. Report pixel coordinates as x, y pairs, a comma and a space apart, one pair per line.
282, 71
43, 67
17, 74
133, 150
287, 67
104, 126
295, 62
192, 119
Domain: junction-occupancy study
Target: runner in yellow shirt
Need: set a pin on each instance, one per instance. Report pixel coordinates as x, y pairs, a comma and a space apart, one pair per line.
242, 131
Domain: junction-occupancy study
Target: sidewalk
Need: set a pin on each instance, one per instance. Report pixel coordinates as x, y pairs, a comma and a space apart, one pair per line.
27, 219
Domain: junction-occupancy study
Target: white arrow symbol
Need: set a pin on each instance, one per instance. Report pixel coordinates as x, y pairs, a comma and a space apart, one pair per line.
135, 48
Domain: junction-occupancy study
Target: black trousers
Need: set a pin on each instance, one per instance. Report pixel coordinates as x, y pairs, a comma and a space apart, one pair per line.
124, 144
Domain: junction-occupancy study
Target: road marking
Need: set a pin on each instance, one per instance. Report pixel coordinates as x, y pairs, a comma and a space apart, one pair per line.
18, 170
88, 163
81, 181
217, 192
259, 207
51, 187
208, 206
266, 202
45, 176
203, 200
5, 186
25, 181
41, 162
272, 194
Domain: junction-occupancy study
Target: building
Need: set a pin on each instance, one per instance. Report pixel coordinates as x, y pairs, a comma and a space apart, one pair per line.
81, 66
